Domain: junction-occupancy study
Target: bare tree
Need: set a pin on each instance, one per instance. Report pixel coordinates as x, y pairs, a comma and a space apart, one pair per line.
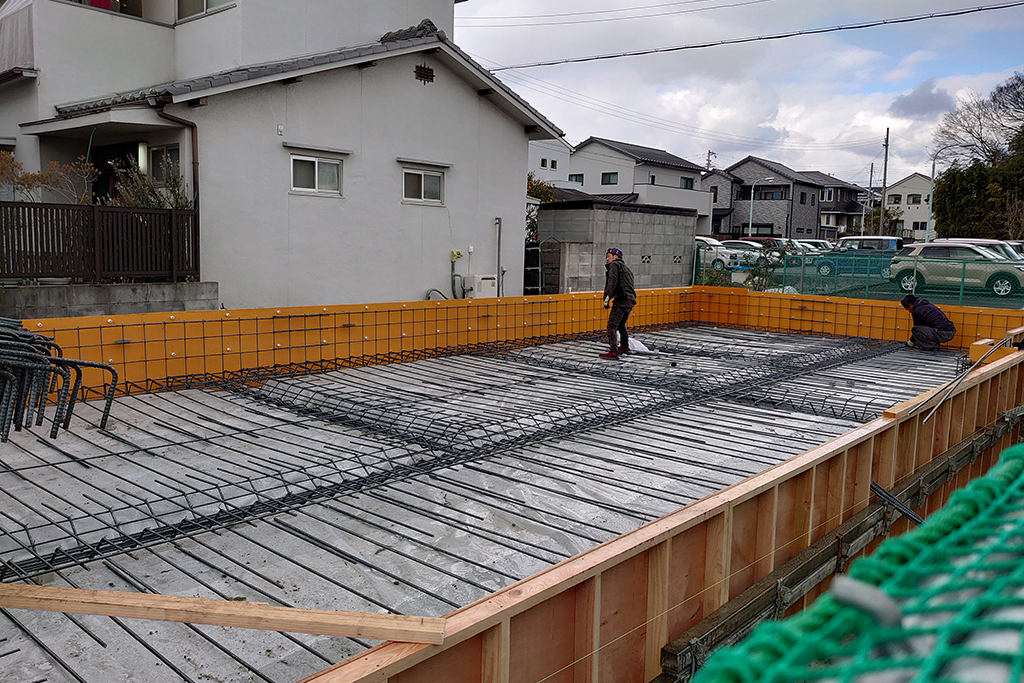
981, 127
1015, 217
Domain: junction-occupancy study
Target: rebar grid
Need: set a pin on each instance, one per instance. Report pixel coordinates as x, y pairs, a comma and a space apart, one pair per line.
369, 455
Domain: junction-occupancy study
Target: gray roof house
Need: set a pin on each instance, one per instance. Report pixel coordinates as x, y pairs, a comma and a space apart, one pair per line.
841, 204
772, 200
617, 170
328, 174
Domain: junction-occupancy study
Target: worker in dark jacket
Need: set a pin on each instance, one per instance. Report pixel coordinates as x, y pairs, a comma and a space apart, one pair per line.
620, 295
931, 326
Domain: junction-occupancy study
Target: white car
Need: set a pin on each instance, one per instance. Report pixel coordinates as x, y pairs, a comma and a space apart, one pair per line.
817, 245
714, 254
752, 252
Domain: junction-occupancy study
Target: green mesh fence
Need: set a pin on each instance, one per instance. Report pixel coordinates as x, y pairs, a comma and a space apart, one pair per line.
950, 282
959, 580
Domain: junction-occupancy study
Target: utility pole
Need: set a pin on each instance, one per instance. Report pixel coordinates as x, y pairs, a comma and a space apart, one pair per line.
711, 155
863, 207
885, 176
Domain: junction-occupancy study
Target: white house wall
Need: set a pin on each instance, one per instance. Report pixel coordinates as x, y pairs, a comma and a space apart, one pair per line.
266, 245
550, 150
19, 104
593, 160
84, 54
258, 31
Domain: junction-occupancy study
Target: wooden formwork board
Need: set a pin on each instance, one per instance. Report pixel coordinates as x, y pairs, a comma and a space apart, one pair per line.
603, 615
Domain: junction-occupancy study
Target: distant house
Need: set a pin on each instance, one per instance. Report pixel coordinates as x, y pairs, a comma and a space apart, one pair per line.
911, 196
771, 200
625, 172
721, 185
549, 160
325, 174
839, 204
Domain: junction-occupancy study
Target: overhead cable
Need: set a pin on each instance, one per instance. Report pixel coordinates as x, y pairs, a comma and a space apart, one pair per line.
774, 36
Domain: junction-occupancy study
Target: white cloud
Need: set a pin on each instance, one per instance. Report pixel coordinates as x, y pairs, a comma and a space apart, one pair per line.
807, 98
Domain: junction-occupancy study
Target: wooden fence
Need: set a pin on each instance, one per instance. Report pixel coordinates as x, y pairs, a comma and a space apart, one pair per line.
97, 242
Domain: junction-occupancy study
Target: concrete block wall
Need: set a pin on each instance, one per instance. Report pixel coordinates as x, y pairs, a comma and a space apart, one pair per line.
71, 301
657, 247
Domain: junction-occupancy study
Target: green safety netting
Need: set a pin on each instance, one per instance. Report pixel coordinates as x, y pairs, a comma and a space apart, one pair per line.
959, 581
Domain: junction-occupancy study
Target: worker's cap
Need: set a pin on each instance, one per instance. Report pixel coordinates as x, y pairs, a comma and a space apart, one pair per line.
615, 252
908, 301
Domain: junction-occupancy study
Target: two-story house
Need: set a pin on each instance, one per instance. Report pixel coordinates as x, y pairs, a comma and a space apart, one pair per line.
772, 200
839, 204
549, 161
340, 150
644, 175
911, 199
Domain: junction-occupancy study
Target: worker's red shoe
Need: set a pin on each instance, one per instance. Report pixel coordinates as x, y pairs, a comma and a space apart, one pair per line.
611, 355
623, 350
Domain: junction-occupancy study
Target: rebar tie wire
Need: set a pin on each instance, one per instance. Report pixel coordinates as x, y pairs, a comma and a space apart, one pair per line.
32, 367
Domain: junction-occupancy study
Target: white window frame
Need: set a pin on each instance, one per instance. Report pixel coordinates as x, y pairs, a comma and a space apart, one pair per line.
406, 170
208, 7
554, 164
612, 178
152, 169
576, 178
317, 161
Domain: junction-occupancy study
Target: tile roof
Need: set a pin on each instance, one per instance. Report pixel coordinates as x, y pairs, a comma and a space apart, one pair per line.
423, 36
647, 155
778, 169
829, 181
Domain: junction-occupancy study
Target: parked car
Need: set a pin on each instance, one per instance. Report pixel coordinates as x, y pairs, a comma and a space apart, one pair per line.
950, 264
817, 245
1000, 248
860, 255
714, 254
795, 253
752, 252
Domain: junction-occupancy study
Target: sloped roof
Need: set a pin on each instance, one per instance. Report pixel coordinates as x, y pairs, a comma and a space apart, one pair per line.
645, 155
778, 169
830, 181
415, 39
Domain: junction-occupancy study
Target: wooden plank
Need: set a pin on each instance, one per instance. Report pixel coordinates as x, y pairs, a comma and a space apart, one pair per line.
657, 607
256, 615
496, 651
716, 561
588, 631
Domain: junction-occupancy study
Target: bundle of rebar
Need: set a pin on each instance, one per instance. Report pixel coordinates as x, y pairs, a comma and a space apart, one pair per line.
32, 370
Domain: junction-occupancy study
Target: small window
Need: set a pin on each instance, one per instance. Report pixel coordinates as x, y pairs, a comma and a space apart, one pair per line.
609, 178
576, 178
828, 219
812, 200
895, 198
913, 199
543, 163
653, 181
686, 183
163, 161
828, 194
190, 8
803, 197
714, 194
311, 174
423, 186
554, 164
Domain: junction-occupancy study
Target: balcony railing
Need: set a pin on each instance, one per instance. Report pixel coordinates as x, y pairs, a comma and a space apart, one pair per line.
97, 242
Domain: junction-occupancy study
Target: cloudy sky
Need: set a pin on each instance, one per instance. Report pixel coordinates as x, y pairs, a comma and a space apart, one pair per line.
813, 102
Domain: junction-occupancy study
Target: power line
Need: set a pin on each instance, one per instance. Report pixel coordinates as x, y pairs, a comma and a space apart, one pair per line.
586, 13
775, 36
743, 3
593, 104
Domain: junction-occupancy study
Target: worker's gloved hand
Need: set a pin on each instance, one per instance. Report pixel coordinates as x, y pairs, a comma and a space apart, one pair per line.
607, 301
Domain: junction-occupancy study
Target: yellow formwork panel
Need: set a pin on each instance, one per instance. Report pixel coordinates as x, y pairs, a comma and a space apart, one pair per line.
162, 346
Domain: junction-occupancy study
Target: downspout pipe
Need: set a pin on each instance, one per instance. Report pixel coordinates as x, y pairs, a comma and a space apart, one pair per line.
191, 125
194, 130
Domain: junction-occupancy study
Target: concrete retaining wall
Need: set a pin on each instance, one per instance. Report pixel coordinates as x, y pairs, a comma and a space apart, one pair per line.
70, 301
